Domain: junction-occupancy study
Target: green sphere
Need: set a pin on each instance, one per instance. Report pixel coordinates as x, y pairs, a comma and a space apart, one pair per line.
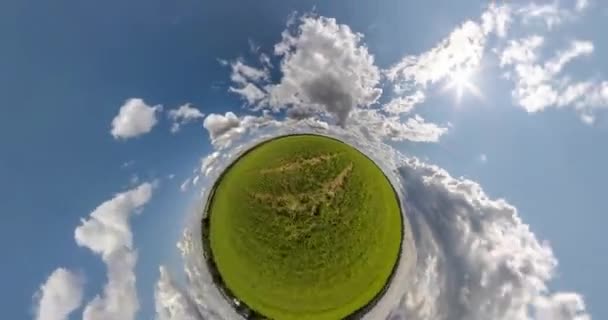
304, 227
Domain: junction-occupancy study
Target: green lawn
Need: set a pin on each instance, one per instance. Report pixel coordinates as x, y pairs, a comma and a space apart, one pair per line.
304, 227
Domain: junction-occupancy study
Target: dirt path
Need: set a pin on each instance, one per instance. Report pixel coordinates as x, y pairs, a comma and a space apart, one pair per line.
306, 201
300, 163
336, 183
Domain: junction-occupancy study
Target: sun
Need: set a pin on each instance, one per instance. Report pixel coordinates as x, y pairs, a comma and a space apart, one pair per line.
461, 81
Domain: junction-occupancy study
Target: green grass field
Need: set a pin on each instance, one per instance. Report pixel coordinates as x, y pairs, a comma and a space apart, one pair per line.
304, 227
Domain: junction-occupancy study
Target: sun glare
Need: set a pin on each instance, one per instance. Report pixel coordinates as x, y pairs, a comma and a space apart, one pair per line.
461, 81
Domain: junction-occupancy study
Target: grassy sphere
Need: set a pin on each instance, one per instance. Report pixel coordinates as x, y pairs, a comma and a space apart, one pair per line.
304, 227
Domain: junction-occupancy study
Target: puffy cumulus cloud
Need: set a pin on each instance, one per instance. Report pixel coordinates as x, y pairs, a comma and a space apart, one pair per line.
326, 72
219, 125
171, 302
478, 259
561, 306
182, 115
324, 68
134, 118
225, 129
59, 296
107, 232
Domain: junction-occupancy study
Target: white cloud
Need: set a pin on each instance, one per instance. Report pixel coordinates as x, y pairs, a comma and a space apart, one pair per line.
184, 114
134, 118
461, 52
561, 306
521, 51
246, 79
581, 5
376, 125
463, 49
250, 92
404, 104
478, 260
326, 72
225, 129
324, 68
548, 13
540, 84
483, 158
265, 60
59, 296
208, 162
222, 128
171, 303
586, 97
185, 185
497, 19
577, 49
107, 233
242, 73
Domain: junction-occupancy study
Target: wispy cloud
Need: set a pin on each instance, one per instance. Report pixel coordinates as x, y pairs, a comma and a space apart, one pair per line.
541, 83
171, 302
462, 49
246, 77
460, 53
415, 128
182, 115
550, 14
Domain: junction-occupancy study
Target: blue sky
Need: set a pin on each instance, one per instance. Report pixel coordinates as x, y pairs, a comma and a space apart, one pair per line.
69, 68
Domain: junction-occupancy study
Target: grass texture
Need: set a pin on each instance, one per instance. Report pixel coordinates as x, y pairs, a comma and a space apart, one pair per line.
304, 227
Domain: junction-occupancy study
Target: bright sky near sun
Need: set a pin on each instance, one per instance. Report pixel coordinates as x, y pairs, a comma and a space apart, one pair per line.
115, 113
